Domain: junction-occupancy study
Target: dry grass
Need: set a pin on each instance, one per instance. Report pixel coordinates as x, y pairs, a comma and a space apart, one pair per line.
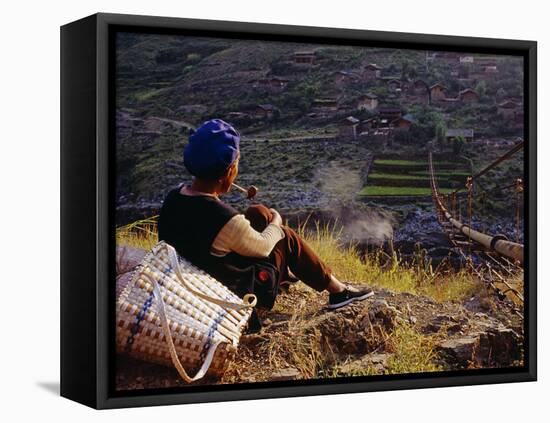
293, 342
388, 271
376, 269
139, 234
412, 351
409, 352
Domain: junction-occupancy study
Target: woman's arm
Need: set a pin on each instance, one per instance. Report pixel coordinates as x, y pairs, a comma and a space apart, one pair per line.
238, 236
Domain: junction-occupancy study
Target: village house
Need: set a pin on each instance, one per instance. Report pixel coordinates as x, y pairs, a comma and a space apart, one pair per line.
508, 109
348, 127
483, 61
303, 57
367, 102
324, 105
371, 71
490, 69
378, 136
437, 92
448, 56
394, 85
403, 123
343, 77
387, 115
271, 84
443, 56
468, 96
264, 111
452, 134
367, 125
420, 87
448, 102
485, 67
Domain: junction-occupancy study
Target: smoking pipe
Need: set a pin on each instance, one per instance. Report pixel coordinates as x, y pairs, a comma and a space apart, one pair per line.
250, 192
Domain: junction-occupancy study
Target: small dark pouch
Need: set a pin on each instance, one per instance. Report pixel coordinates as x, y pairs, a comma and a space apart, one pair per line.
245, 275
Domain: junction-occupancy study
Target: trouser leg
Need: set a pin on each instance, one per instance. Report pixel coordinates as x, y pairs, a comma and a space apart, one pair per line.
292, 252
302, 260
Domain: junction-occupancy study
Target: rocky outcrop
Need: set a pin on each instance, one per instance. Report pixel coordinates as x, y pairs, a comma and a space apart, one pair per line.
127, 259
495, 347
345, 340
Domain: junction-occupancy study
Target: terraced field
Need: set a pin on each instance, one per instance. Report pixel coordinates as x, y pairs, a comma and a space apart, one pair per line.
389, 177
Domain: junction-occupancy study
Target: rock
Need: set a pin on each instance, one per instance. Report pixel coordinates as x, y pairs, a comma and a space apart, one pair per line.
357, 328
343, 330
290, 373
450, 323
382, 312
459, 351
375, 361
499, 346
473, 304
496, 347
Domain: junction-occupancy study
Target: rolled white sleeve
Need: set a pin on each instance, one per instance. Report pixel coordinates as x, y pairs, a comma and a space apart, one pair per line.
238, 236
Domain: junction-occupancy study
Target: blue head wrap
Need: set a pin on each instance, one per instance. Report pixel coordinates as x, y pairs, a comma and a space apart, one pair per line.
212, 148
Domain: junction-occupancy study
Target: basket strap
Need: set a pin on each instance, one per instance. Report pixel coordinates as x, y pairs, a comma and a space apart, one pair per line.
167, 334
249, 300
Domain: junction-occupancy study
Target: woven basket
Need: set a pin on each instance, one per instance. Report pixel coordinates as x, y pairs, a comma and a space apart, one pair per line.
173, 313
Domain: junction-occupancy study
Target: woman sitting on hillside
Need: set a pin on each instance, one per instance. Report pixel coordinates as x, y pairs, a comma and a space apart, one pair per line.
250, 252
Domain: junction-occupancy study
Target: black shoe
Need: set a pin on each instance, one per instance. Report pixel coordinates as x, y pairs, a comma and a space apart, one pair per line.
346, 296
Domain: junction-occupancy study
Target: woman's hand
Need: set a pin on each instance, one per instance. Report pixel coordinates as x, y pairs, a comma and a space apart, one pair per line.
276, 217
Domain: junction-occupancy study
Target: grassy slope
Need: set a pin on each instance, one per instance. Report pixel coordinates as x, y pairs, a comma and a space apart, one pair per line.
411, 350
376, 269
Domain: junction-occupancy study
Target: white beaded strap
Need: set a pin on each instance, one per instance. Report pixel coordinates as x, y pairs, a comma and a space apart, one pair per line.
249, 300
173, 354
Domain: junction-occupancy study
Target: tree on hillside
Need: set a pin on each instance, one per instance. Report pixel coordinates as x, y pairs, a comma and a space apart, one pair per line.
301, 97
193, 57
458, 145
440, 131
426, 122
481, 89
501, 94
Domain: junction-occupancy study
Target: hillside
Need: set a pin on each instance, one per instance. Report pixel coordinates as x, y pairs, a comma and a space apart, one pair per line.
421, 319
292, 117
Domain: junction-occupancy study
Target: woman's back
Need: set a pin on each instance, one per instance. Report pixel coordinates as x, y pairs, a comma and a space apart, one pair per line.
190, 224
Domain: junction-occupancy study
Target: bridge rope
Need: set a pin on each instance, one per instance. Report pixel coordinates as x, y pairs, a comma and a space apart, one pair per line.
497, 253
517, 147
456, 229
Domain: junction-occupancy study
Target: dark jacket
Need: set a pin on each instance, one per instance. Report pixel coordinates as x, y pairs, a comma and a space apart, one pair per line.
191, 223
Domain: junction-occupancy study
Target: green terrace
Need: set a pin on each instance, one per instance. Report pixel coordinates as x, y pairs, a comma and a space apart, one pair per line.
396, 177
374, 190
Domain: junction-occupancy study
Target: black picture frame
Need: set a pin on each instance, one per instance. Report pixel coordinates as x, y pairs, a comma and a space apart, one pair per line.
87, 207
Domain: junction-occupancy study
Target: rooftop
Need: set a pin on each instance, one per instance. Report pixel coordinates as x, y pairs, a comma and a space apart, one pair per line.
266, 106
350, 120
460, 132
